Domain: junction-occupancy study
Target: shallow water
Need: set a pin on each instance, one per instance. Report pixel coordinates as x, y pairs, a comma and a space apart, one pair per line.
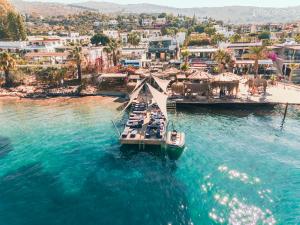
60, 163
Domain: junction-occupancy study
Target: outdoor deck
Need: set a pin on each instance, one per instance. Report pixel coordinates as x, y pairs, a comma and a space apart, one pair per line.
279, 94
140, 138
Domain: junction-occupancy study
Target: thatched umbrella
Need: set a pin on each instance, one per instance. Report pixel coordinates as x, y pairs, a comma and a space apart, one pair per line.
227, 77
180, 77
200, 75
226, 81
172, 71
190, 71
178, 87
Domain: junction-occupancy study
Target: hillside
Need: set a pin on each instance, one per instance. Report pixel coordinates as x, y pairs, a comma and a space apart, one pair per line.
46, 8
233, 14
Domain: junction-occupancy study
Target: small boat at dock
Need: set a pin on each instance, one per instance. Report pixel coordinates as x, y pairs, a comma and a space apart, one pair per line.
175, 144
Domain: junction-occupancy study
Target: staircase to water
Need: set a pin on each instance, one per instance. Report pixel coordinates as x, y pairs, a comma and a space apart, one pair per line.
171, 106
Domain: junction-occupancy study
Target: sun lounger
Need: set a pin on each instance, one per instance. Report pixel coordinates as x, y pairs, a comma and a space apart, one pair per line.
125, 132
133, 133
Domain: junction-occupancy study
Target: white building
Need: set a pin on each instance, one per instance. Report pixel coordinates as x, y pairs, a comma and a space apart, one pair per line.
180, 37
160, 21
12, 45
111, 33
113, 22
147, 22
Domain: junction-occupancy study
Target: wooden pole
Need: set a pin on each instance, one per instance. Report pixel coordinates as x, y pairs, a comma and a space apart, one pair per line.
284, 116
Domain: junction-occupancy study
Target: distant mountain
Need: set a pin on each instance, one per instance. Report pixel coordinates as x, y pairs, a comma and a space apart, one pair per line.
233, 14
46, 8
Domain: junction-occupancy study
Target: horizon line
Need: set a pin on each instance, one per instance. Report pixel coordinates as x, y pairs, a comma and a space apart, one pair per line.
154, 4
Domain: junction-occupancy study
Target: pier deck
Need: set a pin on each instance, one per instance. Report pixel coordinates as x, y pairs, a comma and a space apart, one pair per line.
140, 138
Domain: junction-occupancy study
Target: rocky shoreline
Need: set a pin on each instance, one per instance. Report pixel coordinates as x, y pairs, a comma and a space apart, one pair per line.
36, 92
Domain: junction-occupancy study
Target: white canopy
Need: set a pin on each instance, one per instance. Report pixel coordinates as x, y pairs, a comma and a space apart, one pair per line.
163, 84
160, 99
138, 83
133, 96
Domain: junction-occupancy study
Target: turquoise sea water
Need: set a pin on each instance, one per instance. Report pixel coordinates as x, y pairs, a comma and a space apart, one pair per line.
60, 163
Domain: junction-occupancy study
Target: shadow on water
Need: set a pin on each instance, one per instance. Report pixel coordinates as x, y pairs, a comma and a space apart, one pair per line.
229, 110
129, 151
118, 191
5, 146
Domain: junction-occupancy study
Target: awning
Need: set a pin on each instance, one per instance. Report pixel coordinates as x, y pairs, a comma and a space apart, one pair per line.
133, 96
113, 75
163, 84
138, 84
260, 62
160, 99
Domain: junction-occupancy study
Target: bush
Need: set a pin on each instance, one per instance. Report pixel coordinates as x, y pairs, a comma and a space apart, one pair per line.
51, 76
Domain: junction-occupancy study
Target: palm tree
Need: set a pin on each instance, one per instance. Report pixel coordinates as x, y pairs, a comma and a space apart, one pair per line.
185, 54
77, 57
107, 50
223, 58
293, 67
114, 46
7, 63
257, 53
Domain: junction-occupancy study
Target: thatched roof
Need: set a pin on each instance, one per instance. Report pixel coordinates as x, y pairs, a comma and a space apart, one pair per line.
172, 71
160, 74
181, 76
200, 75
227, 77
190, 71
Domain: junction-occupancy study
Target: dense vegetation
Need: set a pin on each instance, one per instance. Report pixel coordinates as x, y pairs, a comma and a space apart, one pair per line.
11, 23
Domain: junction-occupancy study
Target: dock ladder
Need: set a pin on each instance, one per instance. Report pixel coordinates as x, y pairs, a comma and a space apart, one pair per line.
171, 106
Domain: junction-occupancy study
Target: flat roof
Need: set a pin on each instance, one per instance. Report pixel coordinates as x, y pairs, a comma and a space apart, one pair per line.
236, 45
261, 62
113, 75
47, 54
194, 50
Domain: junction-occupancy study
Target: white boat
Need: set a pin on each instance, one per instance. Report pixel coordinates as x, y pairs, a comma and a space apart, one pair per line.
175, 144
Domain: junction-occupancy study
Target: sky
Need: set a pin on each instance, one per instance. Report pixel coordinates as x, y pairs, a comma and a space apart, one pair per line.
199, 3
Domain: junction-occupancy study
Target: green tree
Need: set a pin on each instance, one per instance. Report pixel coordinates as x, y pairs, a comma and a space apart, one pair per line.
15, 27
223, 58
235, 38
113, 49
134, 38
297, 38
217, 38
76, 56
199, 28
7, 63
293, 67
100, 39
108, 52
264, 35
210, 30
257, 53
162, 15
185, 55
51, 76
